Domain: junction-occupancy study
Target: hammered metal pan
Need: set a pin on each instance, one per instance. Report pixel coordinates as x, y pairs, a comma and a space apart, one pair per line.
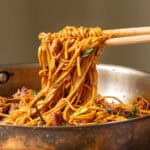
119, 81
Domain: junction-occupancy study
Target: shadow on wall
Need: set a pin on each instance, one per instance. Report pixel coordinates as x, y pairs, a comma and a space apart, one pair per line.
21, 21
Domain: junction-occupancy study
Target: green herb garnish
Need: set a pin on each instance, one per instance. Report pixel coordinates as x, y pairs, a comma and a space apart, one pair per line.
41, 123
134, 112
80, 111
35, 92
118, 113
86, 52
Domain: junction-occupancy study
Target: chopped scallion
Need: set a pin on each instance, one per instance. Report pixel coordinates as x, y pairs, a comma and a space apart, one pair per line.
80, 112
86, 52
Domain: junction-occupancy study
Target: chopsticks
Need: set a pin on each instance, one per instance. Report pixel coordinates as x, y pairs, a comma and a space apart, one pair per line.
128, 36
128, 31
139, 39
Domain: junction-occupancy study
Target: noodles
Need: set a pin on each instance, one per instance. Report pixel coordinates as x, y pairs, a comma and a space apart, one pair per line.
68, 92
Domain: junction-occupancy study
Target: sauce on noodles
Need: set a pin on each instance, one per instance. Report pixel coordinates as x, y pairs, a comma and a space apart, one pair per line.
68, 94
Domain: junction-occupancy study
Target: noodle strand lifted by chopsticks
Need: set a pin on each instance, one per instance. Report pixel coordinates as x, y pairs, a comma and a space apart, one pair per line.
68, 74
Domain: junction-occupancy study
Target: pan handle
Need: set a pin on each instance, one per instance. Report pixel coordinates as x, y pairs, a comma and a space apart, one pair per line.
4, 76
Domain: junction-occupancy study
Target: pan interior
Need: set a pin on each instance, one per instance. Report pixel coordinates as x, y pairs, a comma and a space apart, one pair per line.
124, 83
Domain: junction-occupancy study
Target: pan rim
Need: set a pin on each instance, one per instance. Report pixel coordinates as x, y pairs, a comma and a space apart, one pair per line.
132, 120
100, 66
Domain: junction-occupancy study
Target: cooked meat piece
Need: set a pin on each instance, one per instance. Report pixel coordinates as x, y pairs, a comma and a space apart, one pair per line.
56, 118
21, 92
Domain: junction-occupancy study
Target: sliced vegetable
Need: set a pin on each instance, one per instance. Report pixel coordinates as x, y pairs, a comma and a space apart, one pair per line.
86, 52
41, 123
134, 112
35, 92
118, 113
80, 112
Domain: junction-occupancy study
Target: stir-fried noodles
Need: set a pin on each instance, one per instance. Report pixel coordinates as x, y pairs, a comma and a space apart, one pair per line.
68, 94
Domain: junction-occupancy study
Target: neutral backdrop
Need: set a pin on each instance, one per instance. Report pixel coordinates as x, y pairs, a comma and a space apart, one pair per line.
22, 20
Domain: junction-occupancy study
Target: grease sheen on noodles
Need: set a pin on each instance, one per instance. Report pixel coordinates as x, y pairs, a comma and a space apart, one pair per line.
68, 93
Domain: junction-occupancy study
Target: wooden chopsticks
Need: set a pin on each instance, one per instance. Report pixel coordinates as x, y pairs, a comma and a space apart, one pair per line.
128, 36
128, 40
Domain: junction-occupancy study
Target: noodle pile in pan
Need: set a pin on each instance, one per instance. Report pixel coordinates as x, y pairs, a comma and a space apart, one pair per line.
68, 94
